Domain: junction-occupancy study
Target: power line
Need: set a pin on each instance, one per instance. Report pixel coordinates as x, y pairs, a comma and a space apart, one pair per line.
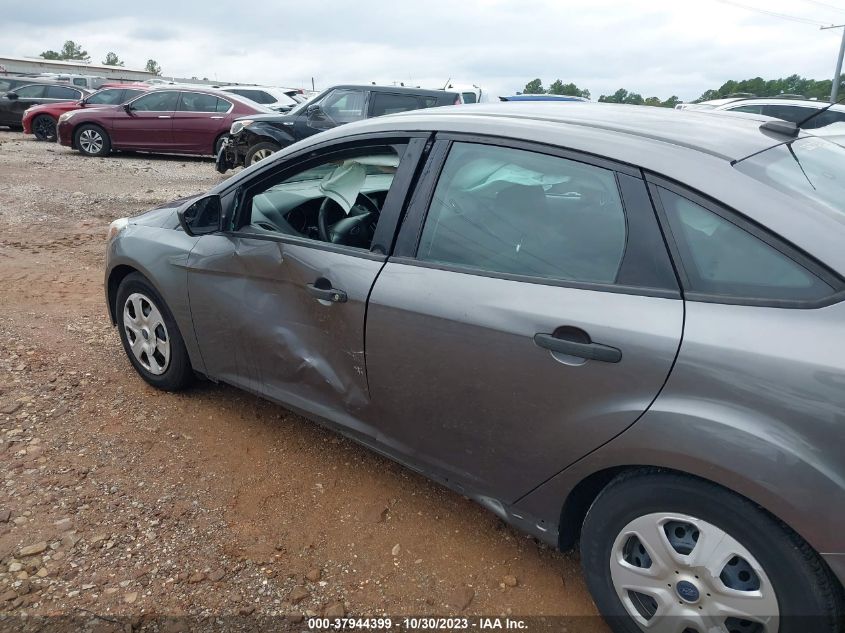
826, 5
774, 14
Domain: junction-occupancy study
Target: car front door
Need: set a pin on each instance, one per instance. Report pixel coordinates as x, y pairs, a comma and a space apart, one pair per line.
529, 314
146, 122
199, 119
277, 309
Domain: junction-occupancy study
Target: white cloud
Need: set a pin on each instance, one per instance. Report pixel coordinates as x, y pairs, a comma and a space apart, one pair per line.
660, 47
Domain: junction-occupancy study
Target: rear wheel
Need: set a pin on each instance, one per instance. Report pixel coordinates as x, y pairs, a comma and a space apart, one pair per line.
663, 551
260, 151
92, 140
150, 336
44, 128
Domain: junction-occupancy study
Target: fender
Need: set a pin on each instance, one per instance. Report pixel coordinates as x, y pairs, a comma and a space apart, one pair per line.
261, 131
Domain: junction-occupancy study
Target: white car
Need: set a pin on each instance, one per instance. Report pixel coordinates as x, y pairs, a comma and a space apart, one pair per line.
794, 110
281, 99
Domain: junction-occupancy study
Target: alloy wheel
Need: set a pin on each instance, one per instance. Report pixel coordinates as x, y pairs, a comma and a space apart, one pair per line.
91, 141
260, 155
678, 573
45, 128
146, 333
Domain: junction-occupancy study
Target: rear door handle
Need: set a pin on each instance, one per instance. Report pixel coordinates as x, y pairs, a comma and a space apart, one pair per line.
216, 117
163, 116
326, 294
590, 351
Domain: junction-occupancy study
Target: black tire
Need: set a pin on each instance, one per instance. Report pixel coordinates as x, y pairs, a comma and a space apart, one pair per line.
44, 128
808, 595
259, 149
178, 373
100, 144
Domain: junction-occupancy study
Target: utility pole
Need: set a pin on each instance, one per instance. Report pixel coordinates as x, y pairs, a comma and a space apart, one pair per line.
834, 91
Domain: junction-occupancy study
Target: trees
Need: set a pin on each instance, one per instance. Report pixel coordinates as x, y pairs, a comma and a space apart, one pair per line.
153, 67
534, 87
570, 89
793, 84
112, 60
70, 51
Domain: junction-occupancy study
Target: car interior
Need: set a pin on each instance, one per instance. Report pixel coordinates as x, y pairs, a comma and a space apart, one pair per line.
337, 201
522, 213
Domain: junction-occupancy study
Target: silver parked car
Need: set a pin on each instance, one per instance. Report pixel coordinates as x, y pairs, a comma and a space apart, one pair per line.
615, 325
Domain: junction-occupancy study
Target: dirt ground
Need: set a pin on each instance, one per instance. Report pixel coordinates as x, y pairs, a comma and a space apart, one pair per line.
119, 500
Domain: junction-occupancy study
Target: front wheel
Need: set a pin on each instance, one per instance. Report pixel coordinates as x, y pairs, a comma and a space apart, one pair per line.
664, 551
44, 128
150, 336
260, 151
92, 140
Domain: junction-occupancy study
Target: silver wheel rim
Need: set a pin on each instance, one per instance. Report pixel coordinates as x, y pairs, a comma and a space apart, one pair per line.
91, 141
146, 333
679, 574
260, 155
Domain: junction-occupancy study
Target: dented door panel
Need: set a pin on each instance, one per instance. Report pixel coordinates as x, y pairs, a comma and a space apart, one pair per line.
261, 330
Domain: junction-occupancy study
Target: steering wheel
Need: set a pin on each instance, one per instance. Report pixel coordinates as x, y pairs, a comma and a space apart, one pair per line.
353, 230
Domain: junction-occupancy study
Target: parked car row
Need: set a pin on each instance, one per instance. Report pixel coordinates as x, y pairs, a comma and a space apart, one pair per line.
15, 102
613, 326
784, 107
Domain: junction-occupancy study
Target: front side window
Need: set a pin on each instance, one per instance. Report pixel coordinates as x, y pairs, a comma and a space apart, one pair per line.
156, 102
344, 105
385, 103
32, 91
60, 92
337, 199
517, 212
720, 258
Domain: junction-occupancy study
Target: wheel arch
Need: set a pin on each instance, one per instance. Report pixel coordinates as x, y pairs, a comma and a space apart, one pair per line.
74, 134
116, 276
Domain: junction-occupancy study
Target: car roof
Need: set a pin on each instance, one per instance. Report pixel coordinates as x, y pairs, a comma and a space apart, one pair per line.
804, 103
425, 92
60, 84
726, 137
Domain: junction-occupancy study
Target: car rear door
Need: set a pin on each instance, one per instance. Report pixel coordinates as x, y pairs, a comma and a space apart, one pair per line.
199, 119
146, 122
529, 314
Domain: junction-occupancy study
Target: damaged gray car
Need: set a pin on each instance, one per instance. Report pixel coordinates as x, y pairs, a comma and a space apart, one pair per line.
614, 326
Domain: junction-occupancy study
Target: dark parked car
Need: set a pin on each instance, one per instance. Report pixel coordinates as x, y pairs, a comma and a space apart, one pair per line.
8, 83
255, 138
15, 102
609, 324
166, 120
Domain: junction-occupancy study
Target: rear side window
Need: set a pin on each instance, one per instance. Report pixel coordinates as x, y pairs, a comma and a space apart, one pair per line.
156, 102
720, 258
518, 212
199, 102
107, 97
80, 82
259, 96
60, 92
386, 103
795, 114
33, 91
469, 97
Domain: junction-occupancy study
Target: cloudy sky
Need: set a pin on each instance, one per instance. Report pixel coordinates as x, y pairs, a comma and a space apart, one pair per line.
654, 47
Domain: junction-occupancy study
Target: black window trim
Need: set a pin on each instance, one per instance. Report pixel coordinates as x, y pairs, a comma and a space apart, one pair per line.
785, 248
415, 146
407, 243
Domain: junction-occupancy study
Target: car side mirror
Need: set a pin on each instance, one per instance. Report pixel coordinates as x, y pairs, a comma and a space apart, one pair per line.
128, 108
202, 216
315, 112
12, 95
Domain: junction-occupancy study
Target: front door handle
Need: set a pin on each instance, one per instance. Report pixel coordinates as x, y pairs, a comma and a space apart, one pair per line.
590, 351
163, 116
326, 294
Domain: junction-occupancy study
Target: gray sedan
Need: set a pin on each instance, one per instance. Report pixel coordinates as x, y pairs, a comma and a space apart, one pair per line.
610, 325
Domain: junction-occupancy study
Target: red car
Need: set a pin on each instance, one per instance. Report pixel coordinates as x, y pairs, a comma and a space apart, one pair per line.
41, 119
166, 120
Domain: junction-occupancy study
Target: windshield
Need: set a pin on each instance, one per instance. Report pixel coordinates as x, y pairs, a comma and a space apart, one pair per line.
809, 167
